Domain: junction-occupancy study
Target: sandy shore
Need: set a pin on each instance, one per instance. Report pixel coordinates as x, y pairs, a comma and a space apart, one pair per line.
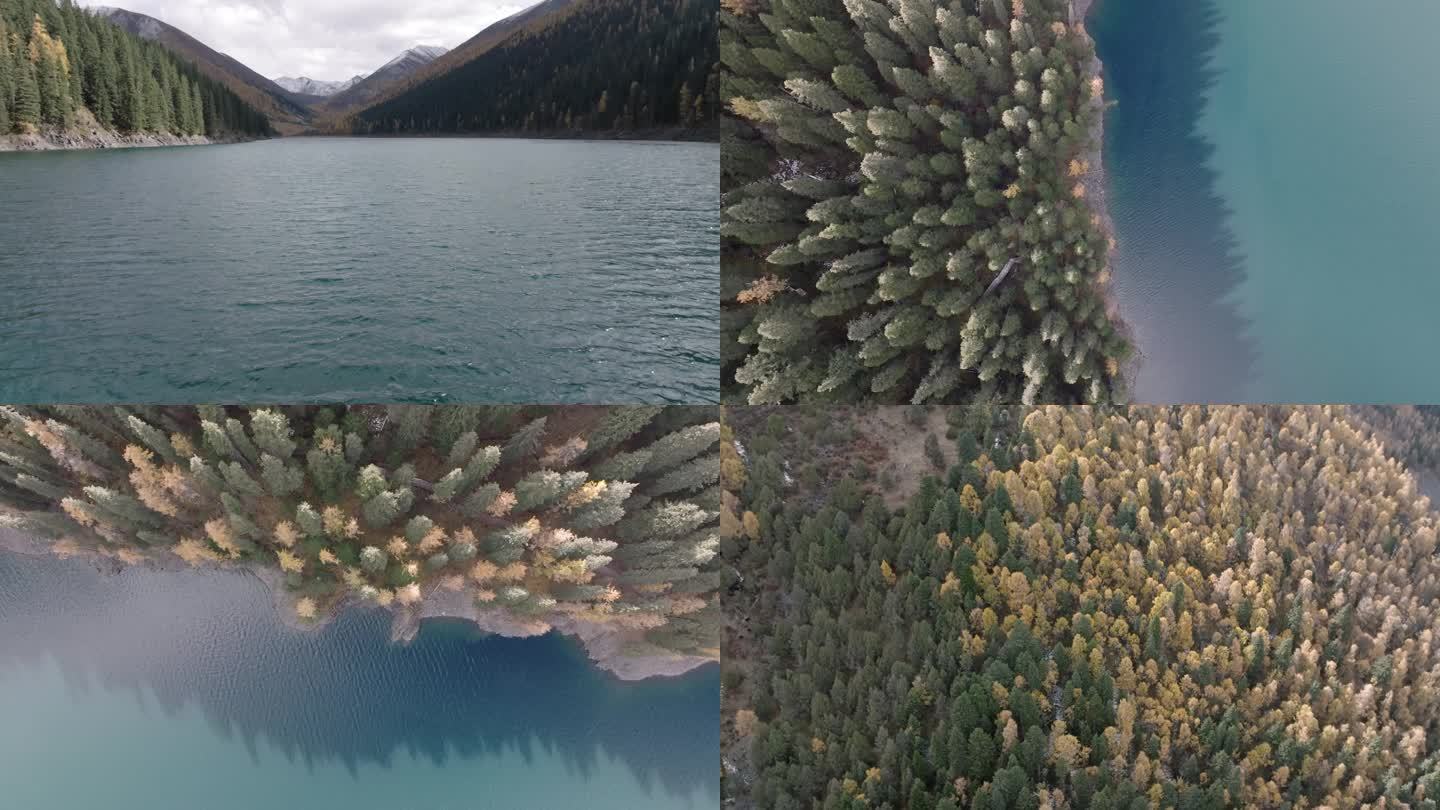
607, 646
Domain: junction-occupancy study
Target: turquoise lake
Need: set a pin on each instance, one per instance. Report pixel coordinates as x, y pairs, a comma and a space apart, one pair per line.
362, 270
144, 690
1273, 174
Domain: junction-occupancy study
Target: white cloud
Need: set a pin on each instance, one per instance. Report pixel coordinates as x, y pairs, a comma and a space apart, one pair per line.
323, 39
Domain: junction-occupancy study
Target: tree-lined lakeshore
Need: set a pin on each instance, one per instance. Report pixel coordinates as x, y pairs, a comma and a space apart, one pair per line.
76, 78
595, 521
68, 73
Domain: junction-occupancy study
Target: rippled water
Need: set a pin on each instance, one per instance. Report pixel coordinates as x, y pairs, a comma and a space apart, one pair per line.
362, 269
146, 690
1273, 175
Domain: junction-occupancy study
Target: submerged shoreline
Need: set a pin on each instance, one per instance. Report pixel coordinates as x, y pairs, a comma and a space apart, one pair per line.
1097, 191
603, 644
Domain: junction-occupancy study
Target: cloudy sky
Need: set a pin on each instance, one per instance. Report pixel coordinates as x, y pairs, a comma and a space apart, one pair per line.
323, 39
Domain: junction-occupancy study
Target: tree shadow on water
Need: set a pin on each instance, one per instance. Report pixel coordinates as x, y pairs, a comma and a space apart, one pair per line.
344, 693
1178, 264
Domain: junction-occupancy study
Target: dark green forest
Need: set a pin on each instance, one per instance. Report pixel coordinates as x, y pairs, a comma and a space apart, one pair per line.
905, 211
1186, 607
604, 65
58, 59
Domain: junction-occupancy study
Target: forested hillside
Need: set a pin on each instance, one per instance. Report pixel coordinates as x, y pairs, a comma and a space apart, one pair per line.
587, 515
283, 108
1157, 607
597, 65
906, 213
57, 60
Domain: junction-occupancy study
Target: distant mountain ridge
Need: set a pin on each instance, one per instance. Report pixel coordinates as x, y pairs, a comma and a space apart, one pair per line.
491, 35
559, 65
279, 104
565, 66
306, 86
371, 88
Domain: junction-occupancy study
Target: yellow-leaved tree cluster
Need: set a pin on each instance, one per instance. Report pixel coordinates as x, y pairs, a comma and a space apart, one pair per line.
1195, 607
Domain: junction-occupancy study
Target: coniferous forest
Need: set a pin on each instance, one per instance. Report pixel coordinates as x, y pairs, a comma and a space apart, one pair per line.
59, 59
580, 516
905, 211
1189, 607
645, 65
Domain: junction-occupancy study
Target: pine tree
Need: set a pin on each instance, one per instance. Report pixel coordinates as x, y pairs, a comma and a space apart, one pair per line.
27, 97
7, 80
280, 478
525, 441
373, 559
144, 482
929, 265
197, 106
271, 430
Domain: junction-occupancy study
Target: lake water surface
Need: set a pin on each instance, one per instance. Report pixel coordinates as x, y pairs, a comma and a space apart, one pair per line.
146, 690
1273, 179
474, 270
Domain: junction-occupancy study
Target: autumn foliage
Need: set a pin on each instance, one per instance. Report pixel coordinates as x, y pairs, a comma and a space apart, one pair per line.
1156, 607
601, 515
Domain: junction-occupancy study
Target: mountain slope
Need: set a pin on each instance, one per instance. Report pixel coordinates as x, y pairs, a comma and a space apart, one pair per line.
306, 86
369, 89
285, 111
76, 73
569, 65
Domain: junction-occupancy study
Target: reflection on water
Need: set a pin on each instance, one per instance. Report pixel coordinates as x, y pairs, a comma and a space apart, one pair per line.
1176, 264
1273, 183
342, 703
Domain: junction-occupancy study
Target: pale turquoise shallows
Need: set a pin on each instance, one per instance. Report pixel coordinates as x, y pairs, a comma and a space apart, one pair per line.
1285, 205
146, 690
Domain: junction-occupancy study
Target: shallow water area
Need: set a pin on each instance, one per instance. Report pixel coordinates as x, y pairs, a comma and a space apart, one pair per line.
1272, 175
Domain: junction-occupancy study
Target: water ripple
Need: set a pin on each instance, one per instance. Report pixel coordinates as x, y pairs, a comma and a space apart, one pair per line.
332, 268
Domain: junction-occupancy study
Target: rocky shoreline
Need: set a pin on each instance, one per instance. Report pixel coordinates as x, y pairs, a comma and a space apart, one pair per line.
97, 138
604, 644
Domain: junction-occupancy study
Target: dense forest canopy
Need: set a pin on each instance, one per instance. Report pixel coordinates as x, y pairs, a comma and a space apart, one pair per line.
905, 213
1157, 607
59, 59
597, 515
599, 65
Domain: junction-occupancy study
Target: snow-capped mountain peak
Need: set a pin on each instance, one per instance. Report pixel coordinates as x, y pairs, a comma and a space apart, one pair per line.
315, 87
418, 55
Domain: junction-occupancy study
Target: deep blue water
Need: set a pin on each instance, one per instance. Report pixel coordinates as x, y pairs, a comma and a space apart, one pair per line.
159, 690
352, 269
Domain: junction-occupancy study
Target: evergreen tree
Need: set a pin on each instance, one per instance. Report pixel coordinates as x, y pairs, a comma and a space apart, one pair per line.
639, 56
7, 79
27, 96
904, 213
154, 484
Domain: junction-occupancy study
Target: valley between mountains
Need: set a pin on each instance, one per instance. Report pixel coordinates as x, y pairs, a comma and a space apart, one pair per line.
100, 77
